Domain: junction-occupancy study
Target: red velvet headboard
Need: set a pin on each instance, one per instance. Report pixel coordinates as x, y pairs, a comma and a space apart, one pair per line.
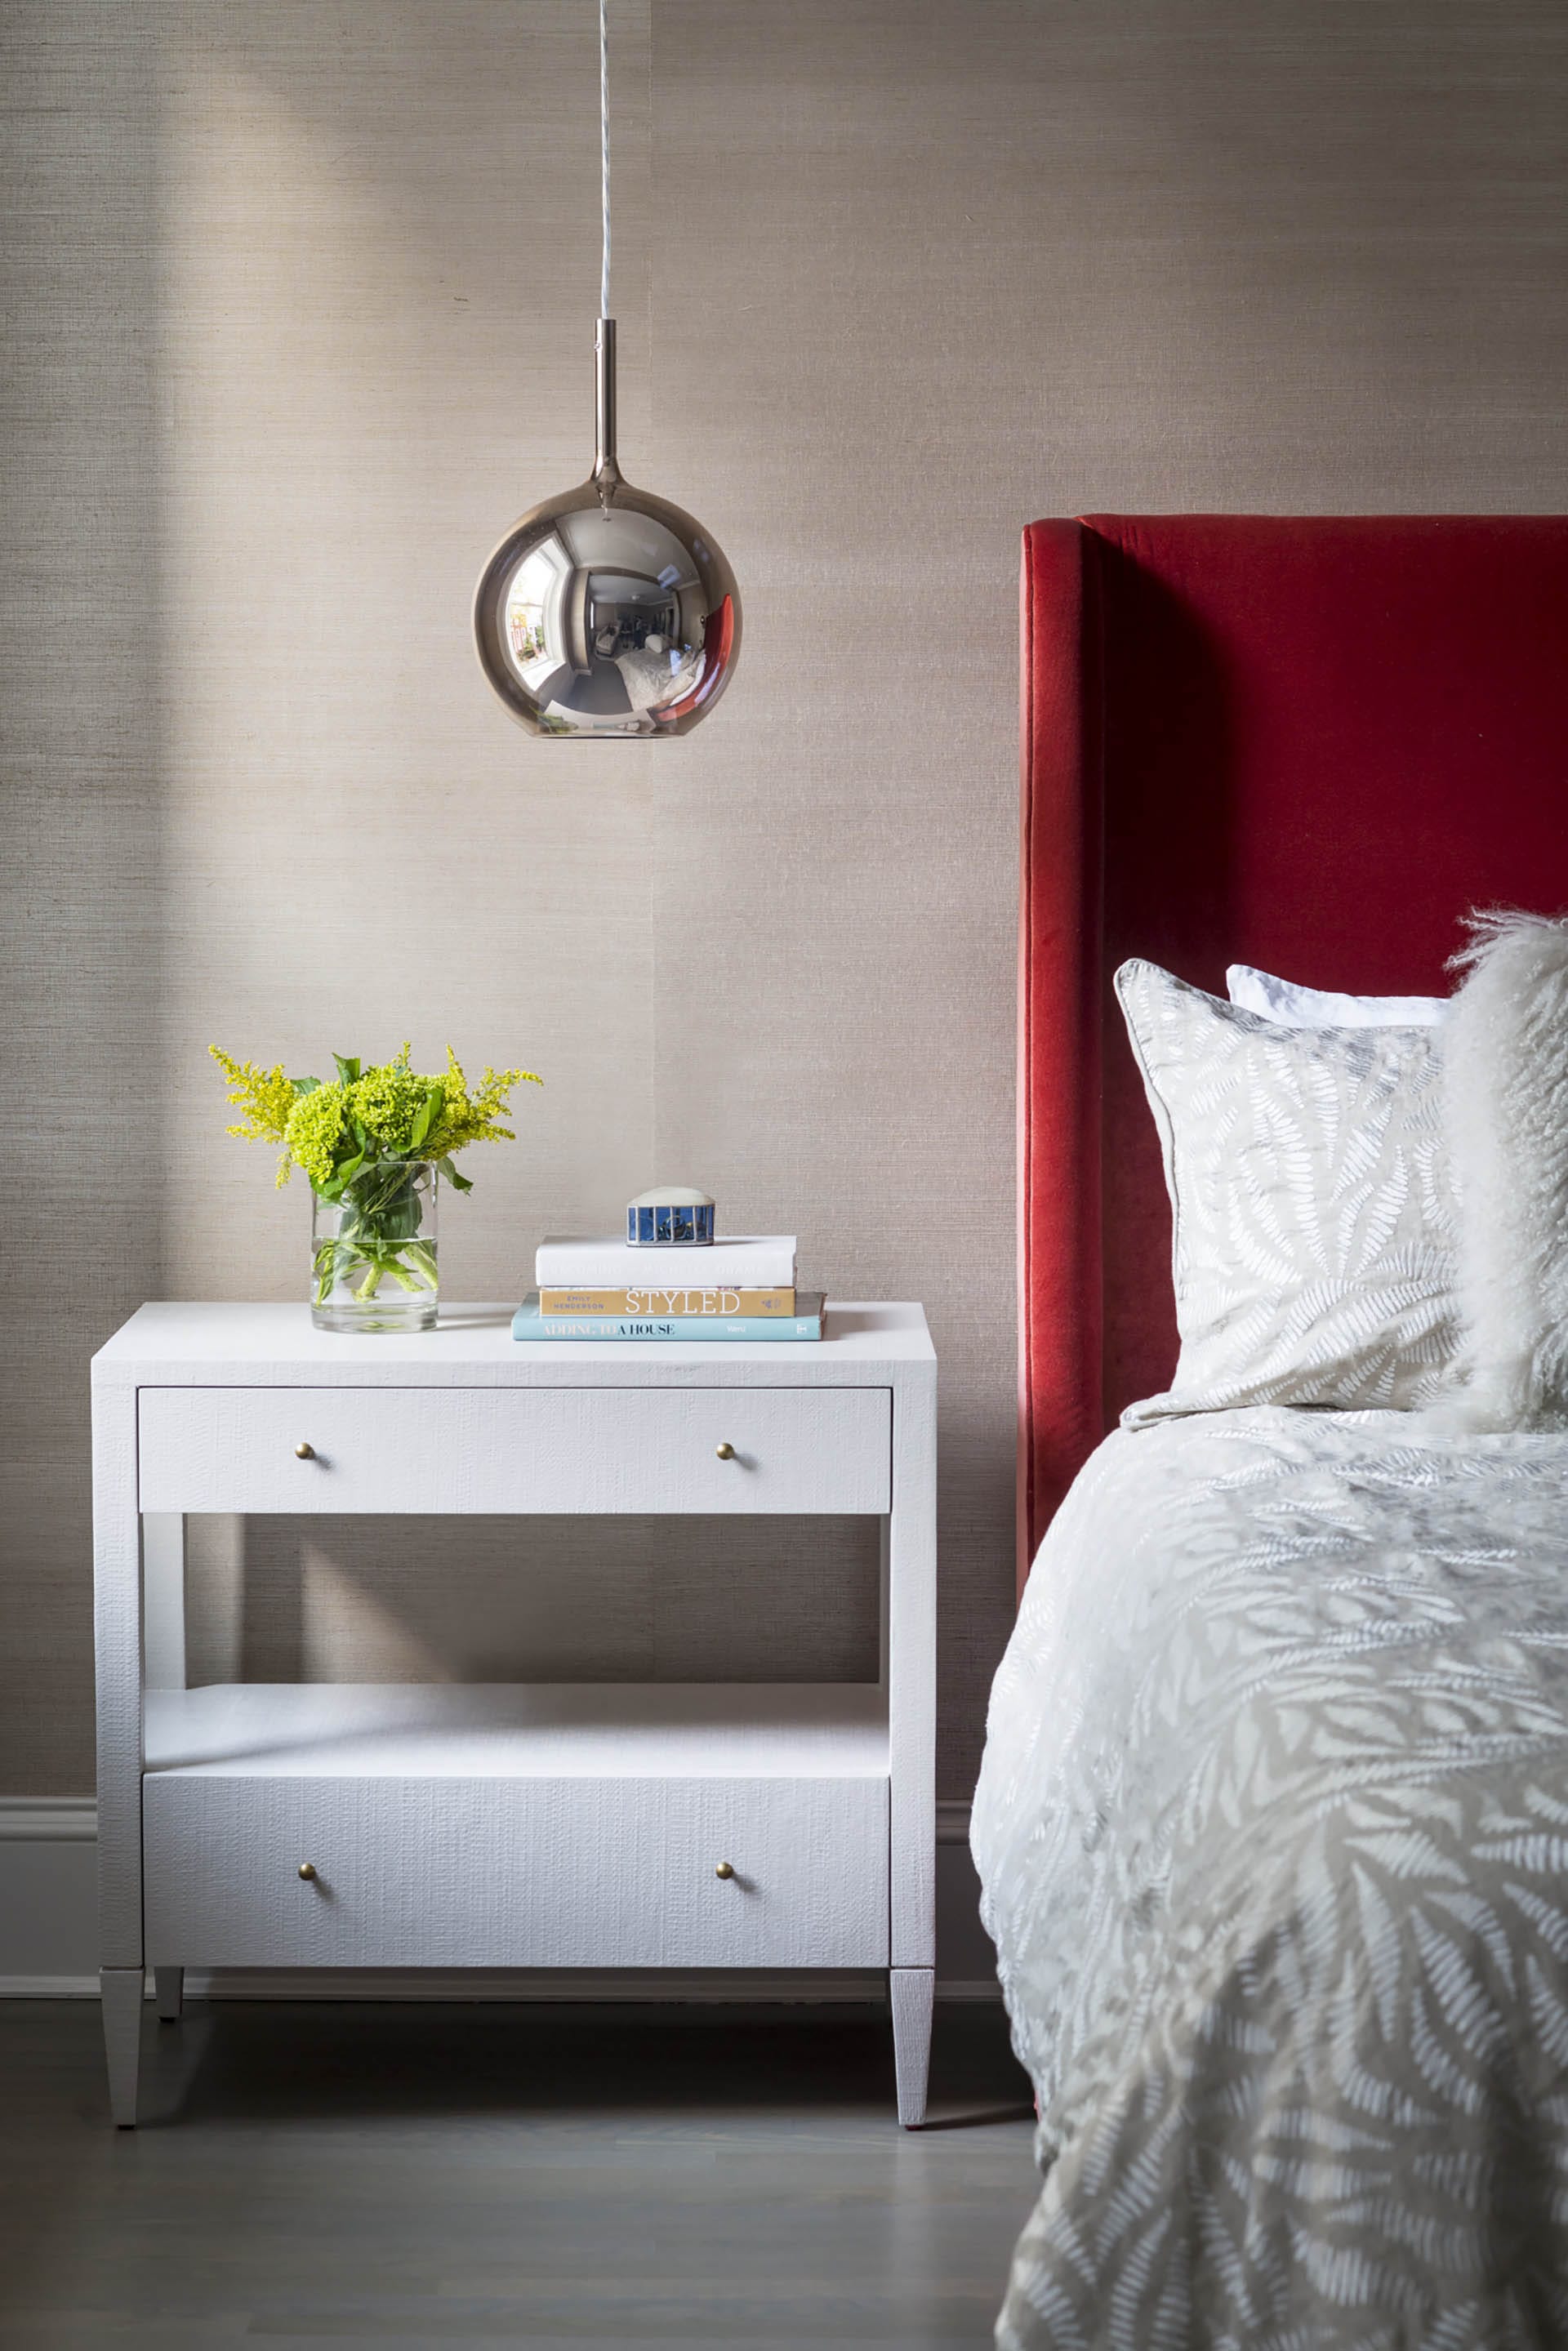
1309, 744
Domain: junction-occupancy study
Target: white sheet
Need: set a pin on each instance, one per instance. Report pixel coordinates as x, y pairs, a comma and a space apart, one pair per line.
1273, 1832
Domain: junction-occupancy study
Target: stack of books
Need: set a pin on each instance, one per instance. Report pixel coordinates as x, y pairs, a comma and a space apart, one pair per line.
732, 1290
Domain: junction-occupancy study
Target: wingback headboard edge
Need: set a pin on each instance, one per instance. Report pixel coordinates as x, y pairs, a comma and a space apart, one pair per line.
1059, 961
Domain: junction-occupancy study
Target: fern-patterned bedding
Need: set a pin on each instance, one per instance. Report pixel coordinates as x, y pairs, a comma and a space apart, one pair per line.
1273, 1834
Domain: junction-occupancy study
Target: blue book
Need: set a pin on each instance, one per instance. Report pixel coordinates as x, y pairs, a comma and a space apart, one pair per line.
527, 1322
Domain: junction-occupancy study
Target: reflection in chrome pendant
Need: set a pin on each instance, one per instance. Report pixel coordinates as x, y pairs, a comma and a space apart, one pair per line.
606, 611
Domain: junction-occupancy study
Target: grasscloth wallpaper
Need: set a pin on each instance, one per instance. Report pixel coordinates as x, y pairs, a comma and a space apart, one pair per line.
299, 299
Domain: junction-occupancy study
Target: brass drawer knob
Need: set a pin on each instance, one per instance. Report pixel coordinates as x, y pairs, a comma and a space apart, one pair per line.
725, 1452
304, 1452
725, 1869
308, 1870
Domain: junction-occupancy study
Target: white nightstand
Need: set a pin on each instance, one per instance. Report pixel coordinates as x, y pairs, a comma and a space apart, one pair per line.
517, 1825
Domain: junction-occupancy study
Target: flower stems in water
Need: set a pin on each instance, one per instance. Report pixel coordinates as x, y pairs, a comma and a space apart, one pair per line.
380, 1213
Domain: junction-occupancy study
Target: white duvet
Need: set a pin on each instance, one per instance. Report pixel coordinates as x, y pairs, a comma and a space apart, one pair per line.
1273, 1828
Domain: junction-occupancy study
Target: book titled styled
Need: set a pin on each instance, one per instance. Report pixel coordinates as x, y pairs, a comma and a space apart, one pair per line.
679, 1300
805, 1323
764, 1261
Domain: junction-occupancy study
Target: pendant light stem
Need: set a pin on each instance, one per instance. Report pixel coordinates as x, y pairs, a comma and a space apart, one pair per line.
606, 472
604, 159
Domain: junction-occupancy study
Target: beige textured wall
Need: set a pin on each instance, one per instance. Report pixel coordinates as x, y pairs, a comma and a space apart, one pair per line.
300, 299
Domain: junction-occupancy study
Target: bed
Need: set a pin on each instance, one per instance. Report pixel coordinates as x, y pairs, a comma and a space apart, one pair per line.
1272, 1825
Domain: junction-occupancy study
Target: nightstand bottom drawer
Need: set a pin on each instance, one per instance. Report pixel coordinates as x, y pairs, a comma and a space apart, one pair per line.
523, 1872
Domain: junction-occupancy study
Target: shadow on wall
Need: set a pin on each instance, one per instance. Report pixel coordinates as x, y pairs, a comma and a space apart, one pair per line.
80, 978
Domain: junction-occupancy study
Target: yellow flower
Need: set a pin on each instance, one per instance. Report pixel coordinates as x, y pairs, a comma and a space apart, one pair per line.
328, 1129
387, 1101
266, 1096
465, 1118
315, 1123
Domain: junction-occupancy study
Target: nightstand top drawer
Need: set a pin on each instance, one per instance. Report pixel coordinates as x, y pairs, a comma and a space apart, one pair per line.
688, 1451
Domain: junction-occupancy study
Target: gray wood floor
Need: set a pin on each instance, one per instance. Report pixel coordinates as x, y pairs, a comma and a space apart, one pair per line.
424, 2175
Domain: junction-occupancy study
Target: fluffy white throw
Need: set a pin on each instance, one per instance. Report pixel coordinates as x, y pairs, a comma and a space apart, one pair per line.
1506, 1083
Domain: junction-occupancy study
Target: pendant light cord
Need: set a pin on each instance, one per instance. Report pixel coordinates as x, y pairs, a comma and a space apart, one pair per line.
604, 156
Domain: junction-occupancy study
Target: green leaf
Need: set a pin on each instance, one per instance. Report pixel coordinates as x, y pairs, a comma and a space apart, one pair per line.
425, 1117
305, 1085
458, 1183
348, 1070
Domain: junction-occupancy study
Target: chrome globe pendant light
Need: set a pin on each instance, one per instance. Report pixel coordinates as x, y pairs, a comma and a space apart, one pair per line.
606, 611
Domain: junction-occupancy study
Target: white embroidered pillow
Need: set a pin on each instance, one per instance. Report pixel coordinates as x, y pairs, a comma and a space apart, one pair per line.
1315, 1232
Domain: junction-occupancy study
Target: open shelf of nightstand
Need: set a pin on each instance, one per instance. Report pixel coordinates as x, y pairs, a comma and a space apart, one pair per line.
739, 1731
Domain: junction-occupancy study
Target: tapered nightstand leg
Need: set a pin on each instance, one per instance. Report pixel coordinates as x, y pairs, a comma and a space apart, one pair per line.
122, 1990
913, 1991
169, 1990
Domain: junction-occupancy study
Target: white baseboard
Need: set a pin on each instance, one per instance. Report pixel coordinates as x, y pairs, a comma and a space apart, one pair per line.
48, 1938
49, 1820
49, 1987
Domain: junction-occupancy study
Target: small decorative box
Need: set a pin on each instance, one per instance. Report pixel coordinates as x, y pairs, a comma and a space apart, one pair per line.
672, 1216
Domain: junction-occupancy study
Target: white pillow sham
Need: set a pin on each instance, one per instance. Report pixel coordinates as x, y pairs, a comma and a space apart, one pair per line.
1505, 1079
1314, 1224
1295, 1007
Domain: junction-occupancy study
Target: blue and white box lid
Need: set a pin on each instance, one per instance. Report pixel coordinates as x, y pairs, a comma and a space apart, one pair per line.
672, 1216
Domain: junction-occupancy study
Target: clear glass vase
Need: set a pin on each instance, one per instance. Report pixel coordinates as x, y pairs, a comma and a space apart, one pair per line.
372, 1261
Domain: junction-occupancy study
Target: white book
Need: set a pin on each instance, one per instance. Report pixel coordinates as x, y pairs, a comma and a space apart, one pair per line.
567, 1262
